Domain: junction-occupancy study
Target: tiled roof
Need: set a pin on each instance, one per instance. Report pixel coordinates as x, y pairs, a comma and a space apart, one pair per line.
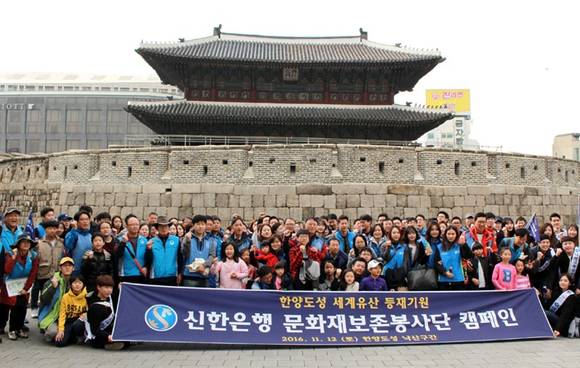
321, 50
179, 117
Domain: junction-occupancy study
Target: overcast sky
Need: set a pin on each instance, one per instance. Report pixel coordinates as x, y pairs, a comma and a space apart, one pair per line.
520, 59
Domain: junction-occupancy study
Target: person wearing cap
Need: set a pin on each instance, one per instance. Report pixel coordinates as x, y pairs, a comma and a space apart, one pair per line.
10, 230
47, 214
163, 256
467, 223
65, 220
22, 265
374, 282
50, 250
51, 296
78, 241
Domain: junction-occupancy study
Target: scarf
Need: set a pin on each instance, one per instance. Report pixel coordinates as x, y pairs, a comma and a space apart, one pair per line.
487, 240
574, 262
546, 264
561, 299
104, 323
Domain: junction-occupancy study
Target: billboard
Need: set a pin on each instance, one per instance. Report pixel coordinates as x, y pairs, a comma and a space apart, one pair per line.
457, 100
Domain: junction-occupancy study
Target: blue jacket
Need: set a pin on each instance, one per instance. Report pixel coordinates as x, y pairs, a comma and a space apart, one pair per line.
345, 242
204, 248
77, 242
451, 260
8, 238
165, 256
126, 253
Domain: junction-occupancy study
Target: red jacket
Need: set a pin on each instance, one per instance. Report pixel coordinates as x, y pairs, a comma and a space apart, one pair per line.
269, 259
488, 239
296, 256
9, 264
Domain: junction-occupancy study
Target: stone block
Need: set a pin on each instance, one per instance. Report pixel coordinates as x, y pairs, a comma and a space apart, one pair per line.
103, 188
348, 188
217, 188
197, 200
110, 199
425, 201
330, 201
514, 189
352, 200
269, 201
186, 199
142, 200
413, 201
165, 200
437, 201
448, 202
155, 188
245, 201
455, 191
176, 200
341, 201
281, 189
459, 201
257, 200
280, 200
391, 200
131, 199
401, 201
186, 188
497, 189
222, 200
128, 188
209, 200
313, 189
153, 200
379, 200
250, 189
366, 200
233, 201
478, 190
120, 199
184, 212
292, 200
376, 189
405, 189
434, 191
317, 201
304, 200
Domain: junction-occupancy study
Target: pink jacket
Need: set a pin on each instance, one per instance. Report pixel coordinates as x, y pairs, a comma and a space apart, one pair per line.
504, 277
225, 269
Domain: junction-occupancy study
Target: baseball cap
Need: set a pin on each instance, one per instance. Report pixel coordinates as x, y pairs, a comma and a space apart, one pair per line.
66, 260
10, 210
64, 217
373, 263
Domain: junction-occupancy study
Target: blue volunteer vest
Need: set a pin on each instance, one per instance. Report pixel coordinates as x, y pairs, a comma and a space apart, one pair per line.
8, 238
198, 252
128, 266
165, 257
40, 230
431, 260
451, 259
83, 244
397, 255
22, 271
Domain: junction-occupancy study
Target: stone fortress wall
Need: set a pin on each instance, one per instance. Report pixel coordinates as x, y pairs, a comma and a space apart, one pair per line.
292, 180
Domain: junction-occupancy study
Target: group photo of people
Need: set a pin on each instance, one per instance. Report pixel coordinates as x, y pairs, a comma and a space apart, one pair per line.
63, 275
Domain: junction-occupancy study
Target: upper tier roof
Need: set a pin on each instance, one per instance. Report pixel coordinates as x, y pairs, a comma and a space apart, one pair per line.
288, 50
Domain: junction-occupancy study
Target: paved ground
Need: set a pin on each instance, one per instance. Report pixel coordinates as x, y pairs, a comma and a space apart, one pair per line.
529, 354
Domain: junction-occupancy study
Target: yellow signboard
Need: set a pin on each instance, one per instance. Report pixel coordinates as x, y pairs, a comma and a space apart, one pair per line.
456, 100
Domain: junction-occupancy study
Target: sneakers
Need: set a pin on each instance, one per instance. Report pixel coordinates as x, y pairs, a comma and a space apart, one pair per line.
115, 346
22, 334
25, 329
34, 313
12, 335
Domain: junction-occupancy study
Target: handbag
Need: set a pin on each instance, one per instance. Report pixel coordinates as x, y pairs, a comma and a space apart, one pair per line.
422, 278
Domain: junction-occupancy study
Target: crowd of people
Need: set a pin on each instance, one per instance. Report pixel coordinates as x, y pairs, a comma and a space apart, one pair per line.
68, 269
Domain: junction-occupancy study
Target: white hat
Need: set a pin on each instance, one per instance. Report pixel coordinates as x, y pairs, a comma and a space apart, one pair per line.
373, 263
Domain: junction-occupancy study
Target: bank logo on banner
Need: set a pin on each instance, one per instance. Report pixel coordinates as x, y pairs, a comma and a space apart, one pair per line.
160, 318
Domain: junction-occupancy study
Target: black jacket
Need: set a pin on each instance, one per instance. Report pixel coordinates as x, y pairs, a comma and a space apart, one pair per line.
99, 264
482, 262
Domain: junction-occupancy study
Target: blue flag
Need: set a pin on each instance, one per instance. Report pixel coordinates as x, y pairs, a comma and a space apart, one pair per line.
30, 226
533, 227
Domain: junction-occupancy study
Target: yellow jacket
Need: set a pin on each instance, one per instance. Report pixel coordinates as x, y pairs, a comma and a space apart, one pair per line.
72, 306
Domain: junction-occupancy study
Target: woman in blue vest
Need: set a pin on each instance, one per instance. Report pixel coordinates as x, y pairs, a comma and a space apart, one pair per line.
78, 241
449, 256
434, 239
163, 256
397, 258
20, 269
130, 253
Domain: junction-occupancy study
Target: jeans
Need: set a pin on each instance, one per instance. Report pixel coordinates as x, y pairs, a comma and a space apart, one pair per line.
72, 331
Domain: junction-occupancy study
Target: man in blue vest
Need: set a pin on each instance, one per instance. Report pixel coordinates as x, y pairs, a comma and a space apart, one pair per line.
10, 230
199, 251
163, 256
131, 253
79, 240
47, 214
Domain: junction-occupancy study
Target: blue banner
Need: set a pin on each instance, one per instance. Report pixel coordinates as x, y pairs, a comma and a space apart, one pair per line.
221, 316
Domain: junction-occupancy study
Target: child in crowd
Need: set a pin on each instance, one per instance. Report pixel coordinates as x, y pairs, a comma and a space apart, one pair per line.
374, 282
348, 281
522, 278
73, 308
504, 273
101, 315
264, 255
264, 280
231, 270
329, 282
281, 279
479, 275
252, 271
